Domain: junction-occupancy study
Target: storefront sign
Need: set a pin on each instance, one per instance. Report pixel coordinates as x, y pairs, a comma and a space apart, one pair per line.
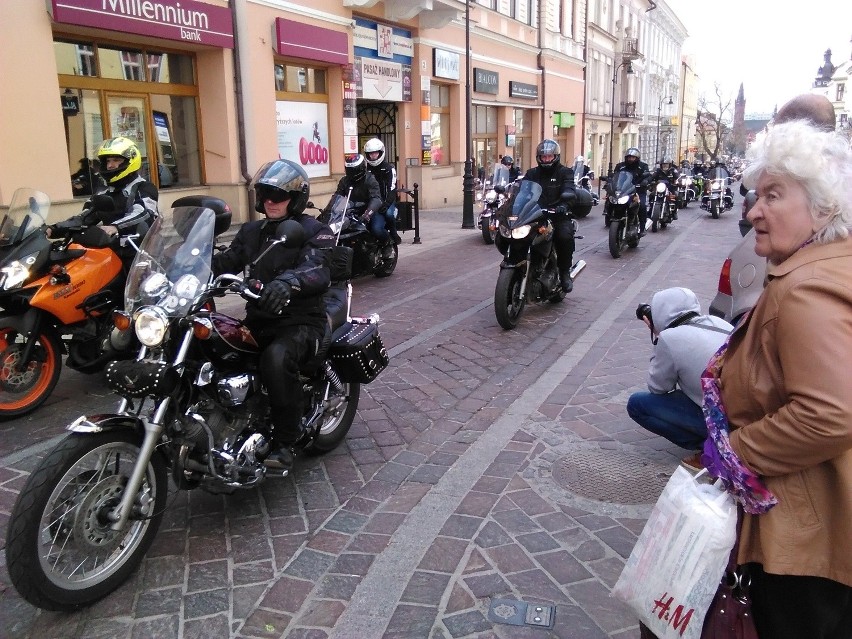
181, 20
381, 80
425, 121
351, 75
485, 81
311, 43
523, 90
445, 64
303, 135
70, 104
373, 40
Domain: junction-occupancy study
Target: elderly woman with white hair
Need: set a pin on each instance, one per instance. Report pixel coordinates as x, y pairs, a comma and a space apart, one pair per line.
785, 385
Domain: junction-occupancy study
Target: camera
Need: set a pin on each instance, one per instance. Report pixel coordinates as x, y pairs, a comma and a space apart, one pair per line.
643, 311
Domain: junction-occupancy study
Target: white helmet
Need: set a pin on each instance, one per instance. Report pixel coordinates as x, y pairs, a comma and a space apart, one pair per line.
374, 145
579, 158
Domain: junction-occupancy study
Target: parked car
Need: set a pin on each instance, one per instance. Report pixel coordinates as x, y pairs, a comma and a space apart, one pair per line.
743, 273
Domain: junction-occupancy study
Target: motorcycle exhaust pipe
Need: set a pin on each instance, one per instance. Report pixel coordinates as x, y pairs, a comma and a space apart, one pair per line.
577, 268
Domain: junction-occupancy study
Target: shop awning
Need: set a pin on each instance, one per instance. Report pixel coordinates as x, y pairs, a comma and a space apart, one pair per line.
299, 40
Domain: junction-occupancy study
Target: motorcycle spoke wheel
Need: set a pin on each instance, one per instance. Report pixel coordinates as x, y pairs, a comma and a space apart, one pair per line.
62, 553
714, 210
508, 302
655, 217
337, 421
24, 386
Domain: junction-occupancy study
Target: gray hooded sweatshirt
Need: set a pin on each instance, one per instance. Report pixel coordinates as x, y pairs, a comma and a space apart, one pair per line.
682, 353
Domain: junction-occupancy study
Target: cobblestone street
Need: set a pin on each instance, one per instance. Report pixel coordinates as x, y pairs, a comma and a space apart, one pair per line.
484, 467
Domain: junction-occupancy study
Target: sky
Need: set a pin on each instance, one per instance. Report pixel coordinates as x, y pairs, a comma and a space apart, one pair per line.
773, 47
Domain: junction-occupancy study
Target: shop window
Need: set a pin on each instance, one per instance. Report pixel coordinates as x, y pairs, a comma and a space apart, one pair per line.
162, 120
841, 89
295, 79
439, 98
484, 134
523, 136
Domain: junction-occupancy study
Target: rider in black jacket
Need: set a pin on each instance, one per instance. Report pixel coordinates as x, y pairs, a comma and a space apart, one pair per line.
368, 194
557, 192
669, 174
289, 319
641, 180
385, 174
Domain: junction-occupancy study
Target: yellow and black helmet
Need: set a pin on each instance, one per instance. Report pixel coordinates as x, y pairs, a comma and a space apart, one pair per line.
124, 148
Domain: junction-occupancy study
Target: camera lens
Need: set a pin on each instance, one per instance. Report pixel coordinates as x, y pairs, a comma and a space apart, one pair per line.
643, 311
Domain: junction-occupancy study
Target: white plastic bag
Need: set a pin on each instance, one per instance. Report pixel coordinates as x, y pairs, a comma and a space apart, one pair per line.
674, 570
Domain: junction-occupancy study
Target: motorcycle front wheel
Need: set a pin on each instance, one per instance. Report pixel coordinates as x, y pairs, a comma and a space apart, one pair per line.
387, 266
336, 424
61, 552
714, 209
616, 238
24, 386
488, 235
655, 217
508, 301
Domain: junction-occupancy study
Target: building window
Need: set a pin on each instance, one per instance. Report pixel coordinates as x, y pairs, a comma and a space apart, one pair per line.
523, 137
298, 79
484, 136
439, 106
302, 91
148, 96
841, 89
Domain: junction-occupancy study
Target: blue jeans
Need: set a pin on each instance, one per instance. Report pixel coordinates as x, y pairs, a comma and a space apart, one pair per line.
670, 415
377, 227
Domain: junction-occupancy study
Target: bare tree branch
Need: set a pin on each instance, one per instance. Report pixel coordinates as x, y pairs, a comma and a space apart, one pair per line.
712, 126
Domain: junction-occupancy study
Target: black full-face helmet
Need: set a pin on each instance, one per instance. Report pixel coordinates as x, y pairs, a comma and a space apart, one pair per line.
507, 160
279, 180
548, 147
356, 166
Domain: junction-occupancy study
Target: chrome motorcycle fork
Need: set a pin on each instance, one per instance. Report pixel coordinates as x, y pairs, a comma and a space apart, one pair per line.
153, 430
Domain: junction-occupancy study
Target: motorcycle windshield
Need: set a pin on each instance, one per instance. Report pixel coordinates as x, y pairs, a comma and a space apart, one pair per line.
335, 210
719, 174
578, 171
501, 176
27, 213
173, 265
622, 183
525, 207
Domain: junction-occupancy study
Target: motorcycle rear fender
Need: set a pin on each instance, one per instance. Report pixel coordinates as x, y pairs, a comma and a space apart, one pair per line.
106, 423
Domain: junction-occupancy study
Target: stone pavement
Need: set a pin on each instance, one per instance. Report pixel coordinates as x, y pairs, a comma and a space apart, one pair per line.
485, 467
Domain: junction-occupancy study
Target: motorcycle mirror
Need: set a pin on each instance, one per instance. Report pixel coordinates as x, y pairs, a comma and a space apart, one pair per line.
290, 232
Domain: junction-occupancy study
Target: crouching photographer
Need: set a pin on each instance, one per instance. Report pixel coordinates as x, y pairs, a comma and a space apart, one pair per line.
684, 341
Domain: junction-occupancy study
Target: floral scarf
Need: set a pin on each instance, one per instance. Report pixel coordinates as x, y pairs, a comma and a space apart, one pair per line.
719, 457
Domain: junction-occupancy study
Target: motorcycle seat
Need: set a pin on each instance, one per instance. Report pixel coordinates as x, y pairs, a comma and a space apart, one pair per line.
336, 300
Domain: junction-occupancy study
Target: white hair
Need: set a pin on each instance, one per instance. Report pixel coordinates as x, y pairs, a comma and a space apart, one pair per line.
819, 161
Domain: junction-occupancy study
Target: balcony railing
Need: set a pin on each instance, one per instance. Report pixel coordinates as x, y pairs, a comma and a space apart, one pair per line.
628, 110
630, 49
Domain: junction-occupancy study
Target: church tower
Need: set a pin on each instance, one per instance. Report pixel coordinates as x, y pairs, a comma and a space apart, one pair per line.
738, 140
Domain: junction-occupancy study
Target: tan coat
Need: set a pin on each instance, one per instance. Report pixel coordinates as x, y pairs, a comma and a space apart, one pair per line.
787, 387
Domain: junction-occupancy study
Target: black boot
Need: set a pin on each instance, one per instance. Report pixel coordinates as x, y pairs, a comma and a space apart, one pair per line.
566, 281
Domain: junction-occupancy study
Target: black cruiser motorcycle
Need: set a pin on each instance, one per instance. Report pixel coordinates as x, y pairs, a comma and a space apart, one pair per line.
622, 205
345, 219
193, 408
529, 272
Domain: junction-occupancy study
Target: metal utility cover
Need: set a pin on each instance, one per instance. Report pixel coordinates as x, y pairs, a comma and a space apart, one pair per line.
521, 613
614, 476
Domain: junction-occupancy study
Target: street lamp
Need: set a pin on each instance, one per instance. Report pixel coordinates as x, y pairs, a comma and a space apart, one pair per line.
612, 108
467, 202
659, 118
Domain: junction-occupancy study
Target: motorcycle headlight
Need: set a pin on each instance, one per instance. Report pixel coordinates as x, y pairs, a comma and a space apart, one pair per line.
491, 197
151, 324
661, 188
623, 199
17, 272
521, 232
716, 185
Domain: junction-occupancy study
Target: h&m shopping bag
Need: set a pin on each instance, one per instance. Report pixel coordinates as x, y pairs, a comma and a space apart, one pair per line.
672, 574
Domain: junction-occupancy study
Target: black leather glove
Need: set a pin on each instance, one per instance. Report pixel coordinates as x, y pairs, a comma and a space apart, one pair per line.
274, 297
560, 209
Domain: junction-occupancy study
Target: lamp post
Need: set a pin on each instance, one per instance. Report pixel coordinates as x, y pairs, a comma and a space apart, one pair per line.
659, 119
467, 202
612, 109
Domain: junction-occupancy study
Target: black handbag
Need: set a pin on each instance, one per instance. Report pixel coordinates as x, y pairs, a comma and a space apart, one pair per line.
357, 352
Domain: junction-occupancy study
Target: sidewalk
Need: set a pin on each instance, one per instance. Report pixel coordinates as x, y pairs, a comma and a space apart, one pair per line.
488, 470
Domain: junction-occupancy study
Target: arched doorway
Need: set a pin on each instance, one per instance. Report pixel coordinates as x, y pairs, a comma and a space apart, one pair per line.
378, 120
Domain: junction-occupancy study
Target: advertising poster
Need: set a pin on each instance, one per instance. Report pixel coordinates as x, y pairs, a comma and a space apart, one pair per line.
303, 135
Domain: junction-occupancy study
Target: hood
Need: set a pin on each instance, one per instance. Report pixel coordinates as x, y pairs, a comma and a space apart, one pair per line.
671, 303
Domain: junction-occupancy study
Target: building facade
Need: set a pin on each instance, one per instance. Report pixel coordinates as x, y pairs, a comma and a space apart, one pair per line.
211, 89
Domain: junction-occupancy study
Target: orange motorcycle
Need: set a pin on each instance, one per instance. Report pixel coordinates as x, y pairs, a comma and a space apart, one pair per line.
55, 298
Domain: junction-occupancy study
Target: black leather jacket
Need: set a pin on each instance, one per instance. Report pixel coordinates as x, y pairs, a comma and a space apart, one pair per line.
670, 176
385, 175
557, 184
304, 268
367, 192
641, 174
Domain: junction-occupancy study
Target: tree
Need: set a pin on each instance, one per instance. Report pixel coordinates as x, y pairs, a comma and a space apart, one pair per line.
712, 123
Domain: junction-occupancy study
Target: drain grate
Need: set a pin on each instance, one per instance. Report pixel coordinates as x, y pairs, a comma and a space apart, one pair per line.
613, 476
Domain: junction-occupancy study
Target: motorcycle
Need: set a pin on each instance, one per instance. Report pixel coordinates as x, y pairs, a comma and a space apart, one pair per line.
494, 194
344, 218
717, 194
623, 203
685, 189
529, 271
192, 408
585, 181
56, 298
662, 204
